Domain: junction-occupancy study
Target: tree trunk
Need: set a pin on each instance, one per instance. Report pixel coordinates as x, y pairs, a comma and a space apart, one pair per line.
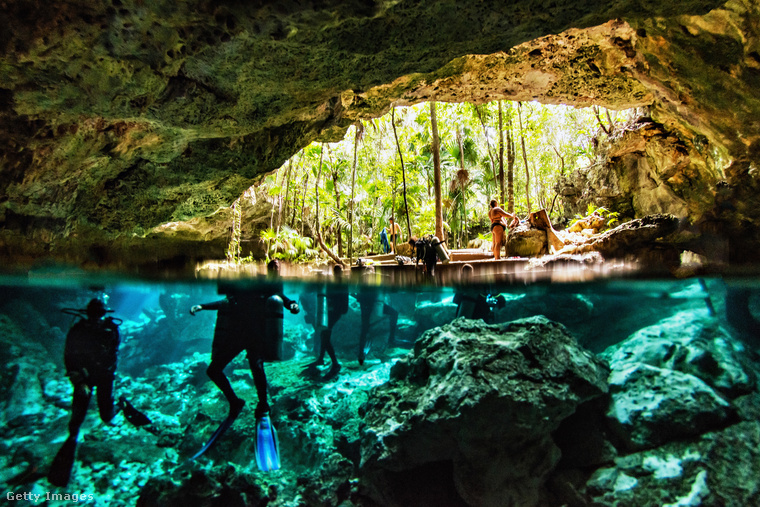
335, 175
462, 195
501, 156
403, 175
359, 130
525, 157
561, 161
599, 119
488, 145
316, 195
510, 167
284, 200
303, 200
435, 148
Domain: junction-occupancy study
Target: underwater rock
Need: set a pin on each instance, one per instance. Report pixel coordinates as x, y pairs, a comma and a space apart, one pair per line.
25, 398
719, 468
690, 342
223, 485
430, 314
469, 415
651, 406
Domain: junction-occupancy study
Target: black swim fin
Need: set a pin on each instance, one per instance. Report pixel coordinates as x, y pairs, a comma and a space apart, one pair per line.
332, 372
219, 431
60, 469
134, 416
267, 447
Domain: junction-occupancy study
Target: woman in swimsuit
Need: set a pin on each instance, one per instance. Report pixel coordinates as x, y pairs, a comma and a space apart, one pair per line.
498, 226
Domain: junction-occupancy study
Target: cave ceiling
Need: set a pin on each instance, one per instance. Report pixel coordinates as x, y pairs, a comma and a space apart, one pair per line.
120, 117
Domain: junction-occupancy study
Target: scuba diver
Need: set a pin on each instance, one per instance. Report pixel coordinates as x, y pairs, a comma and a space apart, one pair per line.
429, 249
473, 303
90, 355
739, 315
332, 304
369, 300
250, 320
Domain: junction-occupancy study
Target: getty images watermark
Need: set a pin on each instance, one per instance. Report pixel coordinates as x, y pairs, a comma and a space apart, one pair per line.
39, 497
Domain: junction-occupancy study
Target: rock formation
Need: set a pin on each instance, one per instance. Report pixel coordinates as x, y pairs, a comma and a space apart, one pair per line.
119, 120
469, 383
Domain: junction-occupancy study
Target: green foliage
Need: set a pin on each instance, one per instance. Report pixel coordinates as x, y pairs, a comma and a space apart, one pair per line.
558, 140
287, 244
610, 216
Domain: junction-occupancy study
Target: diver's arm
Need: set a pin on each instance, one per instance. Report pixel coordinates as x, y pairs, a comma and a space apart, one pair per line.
216, 305
290, 304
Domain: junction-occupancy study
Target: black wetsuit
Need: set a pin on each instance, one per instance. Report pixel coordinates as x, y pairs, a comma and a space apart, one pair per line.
426, 252
90, 357
368, 298
474, 305
337, 306
240, 325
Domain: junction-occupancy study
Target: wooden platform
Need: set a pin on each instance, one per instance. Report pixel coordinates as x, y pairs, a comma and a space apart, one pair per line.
488, 270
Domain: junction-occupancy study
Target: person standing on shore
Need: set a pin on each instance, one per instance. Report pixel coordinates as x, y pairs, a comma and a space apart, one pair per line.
497, 216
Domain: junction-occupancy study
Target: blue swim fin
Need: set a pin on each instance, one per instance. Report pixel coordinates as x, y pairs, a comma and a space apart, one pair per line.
267, 447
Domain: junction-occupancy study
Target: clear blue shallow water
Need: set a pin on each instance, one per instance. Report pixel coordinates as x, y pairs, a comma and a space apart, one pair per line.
164, 348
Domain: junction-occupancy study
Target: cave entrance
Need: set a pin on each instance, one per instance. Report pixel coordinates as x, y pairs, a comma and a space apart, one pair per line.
523, 154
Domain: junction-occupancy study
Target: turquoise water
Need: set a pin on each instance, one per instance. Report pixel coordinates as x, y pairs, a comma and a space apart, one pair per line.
165, 351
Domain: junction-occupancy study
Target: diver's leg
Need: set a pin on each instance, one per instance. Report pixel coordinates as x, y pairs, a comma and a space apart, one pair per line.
366, 313
392, 314
60, 469
431, 267
260, 381
220, 358
79, 403
324, 339
105, 400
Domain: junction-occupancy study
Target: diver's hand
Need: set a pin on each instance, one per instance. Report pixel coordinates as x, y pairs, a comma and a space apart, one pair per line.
294, 308
195, 308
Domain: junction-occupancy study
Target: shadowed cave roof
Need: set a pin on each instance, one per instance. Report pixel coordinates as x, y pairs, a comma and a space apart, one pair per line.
120, 118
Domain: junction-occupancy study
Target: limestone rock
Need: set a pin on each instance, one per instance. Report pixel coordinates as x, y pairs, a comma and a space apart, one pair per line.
719, 468
691, 342
25, 398
651, 406
474, 406
526, 241
120, 121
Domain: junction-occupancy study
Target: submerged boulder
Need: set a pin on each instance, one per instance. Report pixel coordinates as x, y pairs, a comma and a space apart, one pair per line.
676, 379
651, 406
691, 342
469, 414
719, 468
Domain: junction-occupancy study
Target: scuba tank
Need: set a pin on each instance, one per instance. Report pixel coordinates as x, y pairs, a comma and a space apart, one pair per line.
440, 250
320, 323
466, 307
271, 343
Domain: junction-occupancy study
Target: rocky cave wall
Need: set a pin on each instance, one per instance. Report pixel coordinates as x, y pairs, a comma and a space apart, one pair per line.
125, 124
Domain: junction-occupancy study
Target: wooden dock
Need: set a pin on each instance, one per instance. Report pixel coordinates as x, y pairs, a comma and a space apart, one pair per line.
486, 269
